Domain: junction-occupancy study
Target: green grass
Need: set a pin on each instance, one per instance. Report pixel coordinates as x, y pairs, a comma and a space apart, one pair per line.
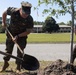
45, 38
2, 38
50, 38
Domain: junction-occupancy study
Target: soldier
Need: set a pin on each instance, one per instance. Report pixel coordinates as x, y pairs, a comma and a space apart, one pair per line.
21, 25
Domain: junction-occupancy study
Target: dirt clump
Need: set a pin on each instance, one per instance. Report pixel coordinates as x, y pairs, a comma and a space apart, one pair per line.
60, 67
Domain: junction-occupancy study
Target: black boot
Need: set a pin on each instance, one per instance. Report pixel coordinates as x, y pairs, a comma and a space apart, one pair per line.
18, 68
6, 64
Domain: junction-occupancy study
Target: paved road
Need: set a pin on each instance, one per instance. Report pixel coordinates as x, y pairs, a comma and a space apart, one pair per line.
44, 51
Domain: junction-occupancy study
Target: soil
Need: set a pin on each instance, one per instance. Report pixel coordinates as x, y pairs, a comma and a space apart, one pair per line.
58, 67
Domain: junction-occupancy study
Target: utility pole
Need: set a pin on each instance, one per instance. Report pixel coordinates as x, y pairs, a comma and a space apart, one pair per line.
72, 30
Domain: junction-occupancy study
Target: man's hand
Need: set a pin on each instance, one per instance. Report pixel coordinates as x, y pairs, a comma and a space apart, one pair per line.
4, 25
15, 38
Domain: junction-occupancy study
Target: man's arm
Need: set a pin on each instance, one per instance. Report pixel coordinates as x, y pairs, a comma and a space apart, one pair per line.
4, 15
28, 31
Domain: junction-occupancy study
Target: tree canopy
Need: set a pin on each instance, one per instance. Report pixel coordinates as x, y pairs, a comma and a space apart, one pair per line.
64, 6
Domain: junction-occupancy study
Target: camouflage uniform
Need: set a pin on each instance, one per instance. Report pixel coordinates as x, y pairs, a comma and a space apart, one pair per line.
17, 26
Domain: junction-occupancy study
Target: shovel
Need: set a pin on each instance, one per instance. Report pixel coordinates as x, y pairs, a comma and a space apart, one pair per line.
28, 62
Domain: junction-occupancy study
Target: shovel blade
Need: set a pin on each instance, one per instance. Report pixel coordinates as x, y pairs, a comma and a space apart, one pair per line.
30, 62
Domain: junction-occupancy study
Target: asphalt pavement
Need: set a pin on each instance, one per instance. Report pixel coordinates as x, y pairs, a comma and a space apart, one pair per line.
44, 52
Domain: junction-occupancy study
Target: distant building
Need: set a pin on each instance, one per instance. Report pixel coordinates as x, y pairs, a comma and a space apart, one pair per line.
63, 28
37, 29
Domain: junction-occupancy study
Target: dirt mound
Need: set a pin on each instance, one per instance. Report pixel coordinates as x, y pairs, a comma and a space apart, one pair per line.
60, 67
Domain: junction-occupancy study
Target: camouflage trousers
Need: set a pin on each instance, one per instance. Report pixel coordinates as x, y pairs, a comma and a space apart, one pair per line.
9, 48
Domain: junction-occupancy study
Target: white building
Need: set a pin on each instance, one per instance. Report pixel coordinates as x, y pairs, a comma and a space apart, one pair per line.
63, 28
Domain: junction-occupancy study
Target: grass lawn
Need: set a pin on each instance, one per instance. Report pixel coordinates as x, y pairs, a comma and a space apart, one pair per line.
45, 38
2, 38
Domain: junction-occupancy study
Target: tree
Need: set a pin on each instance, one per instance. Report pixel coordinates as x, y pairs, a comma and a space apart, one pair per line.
61, 23
1, 29
65, 6
50, 25
69, 23
75, 15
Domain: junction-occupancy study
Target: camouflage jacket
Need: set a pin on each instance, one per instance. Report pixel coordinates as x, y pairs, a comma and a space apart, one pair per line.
17, 23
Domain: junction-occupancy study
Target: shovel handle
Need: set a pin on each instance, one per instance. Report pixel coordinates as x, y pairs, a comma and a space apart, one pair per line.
11, 56
14, 41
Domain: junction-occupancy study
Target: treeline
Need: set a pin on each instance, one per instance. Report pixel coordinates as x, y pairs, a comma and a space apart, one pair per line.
38, 23
49, 25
